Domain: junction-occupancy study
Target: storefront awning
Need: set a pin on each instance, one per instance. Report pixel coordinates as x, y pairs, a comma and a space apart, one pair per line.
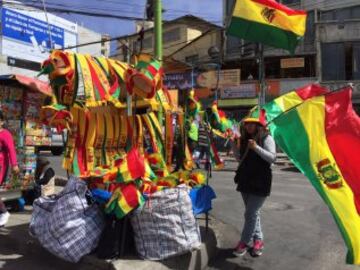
243, 102
32, 83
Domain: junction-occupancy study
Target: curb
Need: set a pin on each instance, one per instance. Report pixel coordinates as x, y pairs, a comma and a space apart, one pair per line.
195, 260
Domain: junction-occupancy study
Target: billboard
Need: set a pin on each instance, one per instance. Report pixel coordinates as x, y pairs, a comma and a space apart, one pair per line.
25, 34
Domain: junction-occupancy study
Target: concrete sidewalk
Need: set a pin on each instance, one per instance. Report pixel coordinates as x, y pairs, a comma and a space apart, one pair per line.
19, 251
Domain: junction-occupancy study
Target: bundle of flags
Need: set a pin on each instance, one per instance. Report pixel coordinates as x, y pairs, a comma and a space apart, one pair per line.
320, 132
218, 119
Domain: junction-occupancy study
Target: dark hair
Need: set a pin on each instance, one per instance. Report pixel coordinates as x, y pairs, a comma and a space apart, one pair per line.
2, 116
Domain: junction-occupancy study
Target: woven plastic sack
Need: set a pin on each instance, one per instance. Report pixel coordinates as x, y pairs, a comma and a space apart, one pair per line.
166, 225
66, 224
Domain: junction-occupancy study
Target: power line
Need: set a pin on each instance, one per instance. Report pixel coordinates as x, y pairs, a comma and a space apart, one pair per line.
62, 10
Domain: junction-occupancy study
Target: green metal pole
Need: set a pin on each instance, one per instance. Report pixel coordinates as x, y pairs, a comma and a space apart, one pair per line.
158, 44
158, 30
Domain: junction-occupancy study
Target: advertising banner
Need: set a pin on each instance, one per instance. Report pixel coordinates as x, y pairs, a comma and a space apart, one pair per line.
25, 34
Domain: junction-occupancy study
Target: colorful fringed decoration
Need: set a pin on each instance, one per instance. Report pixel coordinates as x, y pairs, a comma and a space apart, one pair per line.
146, 78
197, 178
56, 116
69, 154
193, 105
169, 139
188, 161
61, 68
158, 164
218, 119
215, 158
169, 181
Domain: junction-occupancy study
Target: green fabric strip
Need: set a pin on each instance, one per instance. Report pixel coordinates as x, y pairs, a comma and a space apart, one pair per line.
266, 34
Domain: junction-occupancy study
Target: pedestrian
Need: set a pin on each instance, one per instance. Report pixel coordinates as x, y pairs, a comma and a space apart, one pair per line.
7, 159
193, 134
44, 181
203, 143
256, 152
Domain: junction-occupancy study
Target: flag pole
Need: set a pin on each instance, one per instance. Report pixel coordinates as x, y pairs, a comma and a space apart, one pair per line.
262, 82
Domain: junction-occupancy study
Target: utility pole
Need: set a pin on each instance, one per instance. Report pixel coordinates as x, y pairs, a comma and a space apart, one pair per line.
158, 30
262, 82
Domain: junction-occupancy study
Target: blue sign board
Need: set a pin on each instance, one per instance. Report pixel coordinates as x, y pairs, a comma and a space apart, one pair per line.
29, 30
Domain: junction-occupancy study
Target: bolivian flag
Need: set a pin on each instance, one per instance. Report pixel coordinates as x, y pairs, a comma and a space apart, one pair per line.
320, 132
267, 22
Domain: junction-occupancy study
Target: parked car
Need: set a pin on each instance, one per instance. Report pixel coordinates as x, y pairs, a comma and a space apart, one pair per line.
57, 145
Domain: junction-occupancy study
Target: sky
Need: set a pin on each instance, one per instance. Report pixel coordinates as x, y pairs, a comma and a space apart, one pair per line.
210, 10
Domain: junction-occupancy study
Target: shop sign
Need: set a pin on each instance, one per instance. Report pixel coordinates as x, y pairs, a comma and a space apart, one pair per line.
223, 78
292, 63
208, 79
242, 91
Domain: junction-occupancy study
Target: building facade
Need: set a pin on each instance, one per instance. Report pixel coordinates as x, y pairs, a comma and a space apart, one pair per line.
185, 39
328, 54
27, 36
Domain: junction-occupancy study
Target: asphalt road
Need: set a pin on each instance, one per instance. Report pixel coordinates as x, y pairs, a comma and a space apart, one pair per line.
299, 230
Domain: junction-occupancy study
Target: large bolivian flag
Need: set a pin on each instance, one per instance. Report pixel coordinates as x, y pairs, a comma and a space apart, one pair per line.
268, 22
320, 132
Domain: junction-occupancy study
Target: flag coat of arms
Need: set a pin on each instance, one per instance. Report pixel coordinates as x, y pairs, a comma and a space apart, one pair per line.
268, 22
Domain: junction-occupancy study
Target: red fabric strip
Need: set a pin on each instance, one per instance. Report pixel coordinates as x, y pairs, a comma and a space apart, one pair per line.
80, 151
310, 91
276, 5
342, 126
87, 123
135, 164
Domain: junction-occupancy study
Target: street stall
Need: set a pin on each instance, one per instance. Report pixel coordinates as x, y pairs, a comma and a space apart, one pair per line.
124, 159
21, 99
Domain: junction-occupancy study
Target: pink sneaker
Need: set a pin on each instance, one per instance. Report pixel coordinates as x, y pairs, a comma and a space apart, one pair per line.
240, 249
258, 248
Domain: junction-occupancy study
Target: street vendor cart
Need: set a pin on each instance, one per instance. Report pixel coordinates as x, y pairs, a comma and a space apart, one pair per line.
21, 99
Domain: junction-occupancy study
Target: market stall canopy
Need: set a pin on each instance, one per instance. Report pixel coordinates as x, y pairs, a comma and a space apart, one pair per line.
32, 83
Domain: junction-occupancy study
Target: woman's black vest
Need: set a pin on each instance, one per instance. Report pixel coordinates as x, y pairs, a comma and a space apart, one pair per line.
254, 175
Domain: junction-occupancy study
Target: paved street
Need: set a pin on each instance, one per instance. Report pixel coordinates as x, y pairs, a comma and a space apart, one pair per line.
299, 230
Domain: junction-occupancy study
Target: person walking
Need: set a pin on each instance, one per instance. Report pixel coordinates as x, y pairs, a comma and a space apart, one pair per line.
7, 160
203, 143
256, 151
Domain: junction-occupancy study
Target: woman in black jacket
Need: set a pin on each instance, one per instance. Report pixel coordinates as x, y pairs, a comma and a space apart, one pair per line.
256, 151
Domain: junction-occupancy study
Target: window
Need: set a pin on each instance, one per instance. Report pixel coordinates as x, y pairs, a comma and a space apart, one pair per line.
309, 37
192, 58
340, 61
356, 61
147, 43
333, 61
342, 14
172, 35
287, 2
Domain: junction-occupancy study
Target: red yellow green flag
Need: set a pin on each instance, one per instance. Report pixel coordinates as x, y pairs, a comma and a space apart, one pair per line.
320, 132
268, 22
